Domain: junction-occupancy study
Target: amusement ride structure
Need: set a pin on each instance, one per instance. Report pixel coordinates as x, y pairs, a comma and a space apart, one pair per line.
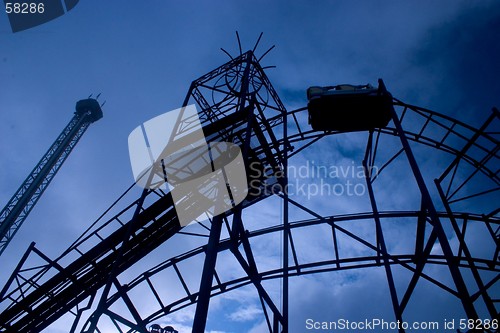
22, 202
453, 219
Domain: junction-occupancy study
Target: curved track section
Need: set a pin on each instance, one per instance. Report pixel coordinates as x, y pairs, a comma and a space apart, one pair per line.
368, 257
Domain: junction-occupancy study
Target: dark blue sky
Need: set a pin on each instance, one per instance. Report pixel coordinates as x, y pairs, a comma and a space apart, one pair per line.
142, 57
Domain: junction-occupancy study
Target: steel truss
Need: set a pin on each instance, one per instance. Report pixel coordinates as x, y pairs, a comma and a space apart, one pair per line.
238, 104
22, 202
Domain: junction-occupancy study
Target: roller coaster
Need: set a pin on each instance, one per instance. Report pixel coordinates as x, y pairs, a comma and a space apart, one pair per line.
238, 104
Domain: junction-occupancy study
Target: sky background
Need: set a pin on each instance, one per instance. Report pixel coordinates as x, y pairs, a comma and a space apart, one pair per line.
142, 57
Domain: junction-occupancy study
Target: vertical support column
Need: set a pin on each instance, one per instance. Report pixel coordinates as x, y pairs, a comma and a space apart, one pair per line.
381, 246
428, 204
420, 236
286, 224
200, 318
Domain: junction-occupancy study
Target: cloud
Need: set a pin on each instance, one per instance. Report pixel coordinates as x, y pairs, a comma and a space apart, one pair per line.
246, 313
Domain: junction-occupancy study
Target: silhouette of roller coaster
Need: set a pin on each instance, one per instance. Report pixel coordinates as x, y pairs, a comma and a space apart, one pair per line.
451, 218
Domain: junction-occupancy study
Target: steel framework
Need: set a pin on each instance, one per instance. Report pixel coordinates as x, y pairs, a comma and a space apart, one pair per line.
22, 202
238, 104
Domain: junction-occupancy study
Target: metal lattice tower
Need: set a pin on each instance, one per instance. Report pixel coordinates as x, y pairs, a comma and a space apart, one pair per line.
238, 104
22, 202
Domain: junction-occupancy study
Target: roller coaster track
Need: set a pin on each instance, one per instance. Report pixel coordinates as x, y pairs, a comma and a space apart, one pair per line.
108, 249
